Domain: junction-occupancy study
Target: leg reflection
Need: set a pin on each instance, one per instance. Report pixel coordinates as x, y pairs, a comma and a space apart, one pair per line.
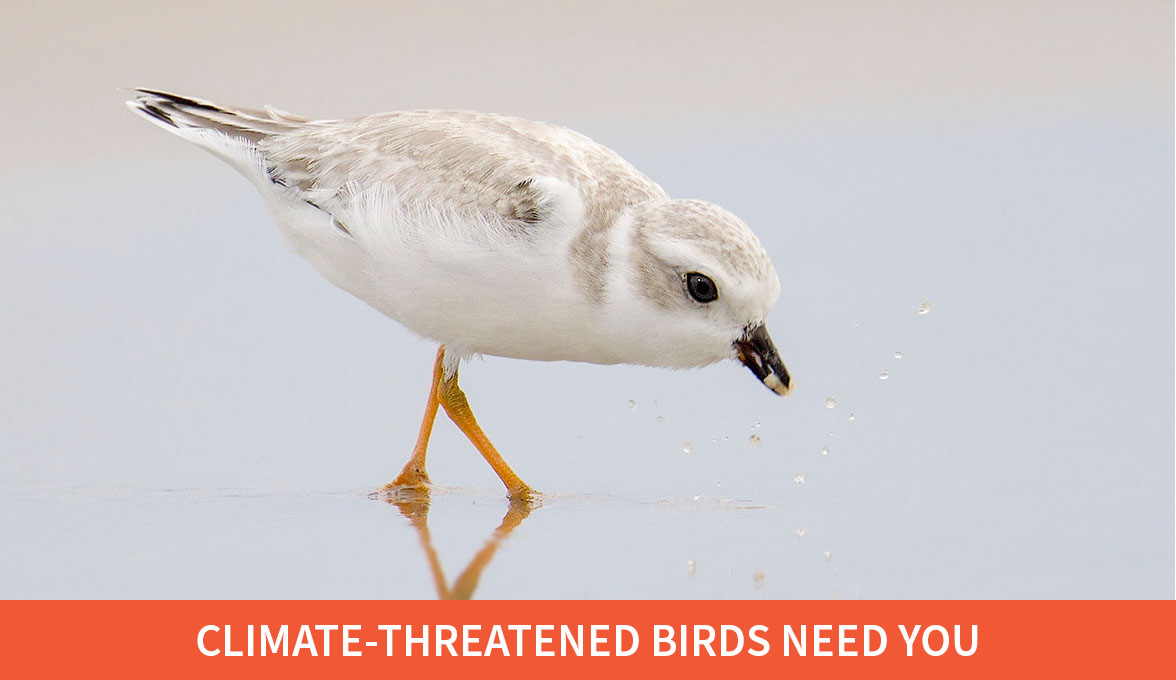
415, 508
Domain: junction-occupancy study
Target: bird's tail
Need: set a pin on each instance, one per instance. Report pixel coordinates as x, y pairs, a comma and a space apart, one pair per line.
231, 133
175, 112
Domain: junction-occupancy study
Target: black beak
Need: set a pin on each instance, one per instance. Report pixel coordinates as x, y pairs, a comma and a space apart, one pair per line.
756, 351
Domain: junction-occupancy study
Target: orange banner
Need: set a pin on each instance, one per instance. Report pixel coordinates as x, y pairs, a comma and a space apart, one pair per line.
245, 639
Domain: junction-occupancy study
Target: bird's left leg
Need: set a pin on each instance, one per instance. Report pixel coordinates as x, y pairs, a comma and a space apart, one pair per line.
413, 476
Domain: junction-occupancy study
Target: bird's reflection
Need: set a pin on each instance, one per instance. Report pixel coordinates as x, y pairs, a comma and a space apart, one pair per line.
414, 505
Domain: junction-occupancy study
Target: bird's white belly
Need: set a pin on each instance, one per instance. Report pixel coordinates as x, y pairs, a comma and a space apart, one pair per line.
486, 304
512, 298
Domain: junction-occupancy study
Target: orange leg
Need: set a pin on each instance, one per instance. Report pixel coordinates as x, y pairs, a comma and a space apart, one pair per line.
413, 476
458, 410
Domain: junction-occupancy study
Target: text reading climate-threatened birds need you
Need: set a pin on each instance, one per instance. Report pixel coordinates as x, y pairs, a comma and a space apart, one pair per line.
521, 640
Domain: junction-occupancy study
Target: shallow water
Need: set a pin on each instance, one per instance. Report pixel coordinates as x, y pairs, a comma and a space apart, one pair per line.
190, 411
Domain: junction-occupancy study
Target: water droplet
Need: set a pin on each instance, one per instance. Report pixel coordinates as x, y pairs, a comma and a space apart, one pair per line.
800, 533
755, 425
661, 419
824, 450
759, 578
851, 416
828, 556
799, 479
726, 438
754, 440
884, 375
687, 447
925, 307
632, 404
830, 402
697, 496
692, 566
898, 355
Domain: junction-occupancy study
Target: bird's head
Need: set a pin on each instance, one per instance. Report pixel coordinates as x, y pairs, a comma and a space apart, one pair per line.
698, 288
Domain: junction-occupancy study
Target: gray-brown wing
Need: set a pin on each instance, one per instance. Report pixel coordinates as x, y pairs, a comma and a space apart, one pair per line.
458, 161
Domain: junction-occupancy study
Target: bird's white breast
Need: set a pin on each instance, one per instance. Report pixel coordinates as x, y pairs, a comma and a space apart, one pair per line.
476, 286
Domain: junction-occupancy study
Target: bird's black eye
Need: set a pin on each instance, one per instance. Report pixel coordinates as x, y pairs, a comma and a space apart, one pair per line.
701, 288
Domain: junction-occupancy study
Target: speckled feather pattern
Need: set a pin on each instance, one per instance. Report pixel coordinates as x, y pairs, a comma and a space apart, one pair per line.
474, 163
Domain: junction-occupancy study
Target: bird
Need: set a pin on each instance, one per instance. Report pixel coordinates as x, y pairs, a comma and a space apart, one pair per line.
498, 235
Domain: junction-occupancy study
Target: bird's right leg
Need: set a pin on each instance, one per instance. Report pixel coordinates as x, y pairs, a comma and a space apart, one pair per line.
413, 476
458, 409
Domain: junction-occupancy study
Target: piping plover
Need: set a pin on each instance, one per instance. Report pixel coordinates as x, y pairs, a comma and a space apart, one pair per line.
497, 235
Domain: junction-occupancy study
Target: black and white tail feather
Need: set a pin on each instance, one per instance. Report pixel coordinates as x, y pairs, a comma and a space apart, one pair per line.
230, 134
233, 134
178, 112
